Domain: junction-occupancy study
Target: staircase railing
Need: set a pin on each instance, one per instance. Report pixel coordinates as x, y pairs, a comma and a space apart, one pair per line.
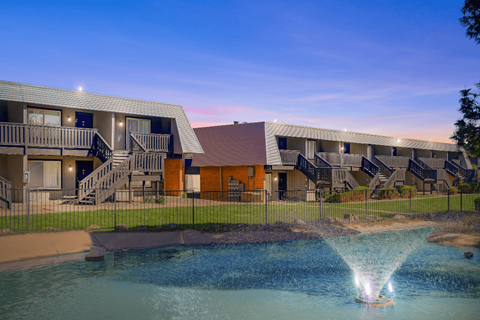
89, 183
451, 168
374, 182
466, 173
307, 167
102, 150
421, 173
456, 180
135, 145
391, 180
386, 170
118, 177
369, 167
6, 191
350, 179
443, 176
321, 163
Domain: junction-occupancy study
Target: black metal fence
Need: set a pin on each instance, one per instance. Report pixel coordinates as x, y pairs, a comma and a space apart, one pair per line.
31, 210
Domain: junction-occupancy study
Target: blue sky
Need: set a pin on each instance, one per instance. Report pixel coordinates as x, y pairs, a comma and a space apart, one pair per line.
374, 66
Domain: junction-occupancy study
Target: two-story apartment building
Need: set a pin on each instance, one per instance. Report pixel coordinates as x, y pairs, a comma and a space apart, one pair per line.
56, 139
280, 157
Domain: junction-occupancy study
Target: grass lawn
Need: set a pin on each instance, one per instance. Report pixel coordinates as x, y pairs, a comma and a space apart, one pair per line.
227, 213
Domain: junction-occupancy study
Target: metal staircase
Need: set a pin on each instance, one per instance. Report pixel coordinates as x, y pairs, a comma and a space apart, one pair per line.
5, 193
461, 174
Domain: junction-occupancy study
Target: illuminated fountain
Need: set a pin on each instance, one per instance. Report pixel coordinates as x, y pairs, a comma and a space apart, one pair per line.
373, 257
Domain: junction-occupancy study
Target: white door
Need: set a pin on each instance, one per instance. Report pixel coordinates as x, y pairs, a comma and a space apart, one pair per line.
136, 125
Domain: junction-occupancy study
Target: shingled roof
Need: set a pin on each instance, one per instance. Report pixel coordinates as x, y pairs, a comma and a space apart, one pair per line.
27, 93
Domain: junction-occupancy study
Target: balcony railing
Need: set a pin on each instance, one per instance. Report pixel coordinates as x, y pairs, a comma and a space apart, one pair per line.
395, 161
435, 163
19, 134
289, 157
153, 142
342, 159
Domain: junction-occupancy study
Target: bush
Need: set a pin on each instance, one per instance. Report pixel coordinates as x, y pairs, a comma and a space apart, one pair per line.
184, 195
405, 192
160, 200
388, 193
452, 191
477, 204
469, 187
357, 194
149, 200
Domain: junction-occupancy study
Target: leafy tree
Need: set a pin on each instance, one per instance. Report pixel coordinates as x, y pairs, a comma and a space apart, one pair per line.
471, 19
467, 131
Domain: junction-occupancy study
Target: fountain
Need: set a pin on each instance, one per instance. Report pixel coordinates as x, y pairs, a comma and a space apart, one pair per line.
373, 257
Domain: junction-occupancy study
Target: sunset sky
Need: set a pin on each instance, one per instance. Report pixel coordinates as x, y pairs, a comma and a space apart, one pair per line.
385, 67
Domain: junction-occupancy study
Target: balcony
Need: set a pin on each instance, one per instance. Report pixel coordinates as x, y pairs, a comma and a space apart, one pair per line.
398, 162
18, 137
289, 157
151, 142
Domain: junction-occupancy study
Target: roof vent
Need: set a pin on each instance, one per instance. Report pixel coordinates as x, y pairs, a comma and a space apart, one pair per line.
235, 122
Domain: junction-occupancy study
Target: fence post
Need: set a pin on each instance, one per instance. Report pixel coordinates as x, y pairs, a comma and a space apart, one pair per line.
461, 201
320, 203
28, 208
193, 209
266, 210
114, 208
366, 205
410, 201
448, 200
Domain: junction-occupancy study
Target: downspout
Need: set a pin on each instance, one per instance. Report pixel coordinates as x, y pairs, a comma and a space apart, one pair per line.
221, 184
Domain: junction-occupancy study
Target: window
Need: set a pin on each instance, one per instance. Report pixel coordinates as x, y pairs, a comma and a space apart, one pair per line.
44, 117
310, 149
45, 174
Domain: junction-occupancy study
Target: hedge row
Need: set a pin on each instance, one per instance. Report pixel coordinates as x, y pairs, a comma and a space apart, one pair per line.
392, 193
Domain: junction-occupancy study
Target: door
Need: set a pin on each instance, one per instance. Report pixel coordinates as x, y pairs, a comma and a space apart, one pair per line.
282, 185
136, 125
83, 120
347, 148
282, 143
83, 169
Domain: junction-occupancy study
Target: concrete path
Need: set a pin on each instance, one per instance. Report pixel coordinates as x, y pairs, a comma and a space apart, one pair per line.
138, 240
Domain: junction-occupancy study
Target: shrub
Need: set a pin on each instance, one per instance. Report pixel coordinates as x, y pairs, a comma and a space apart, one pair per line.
357, 194
388, 193
452, 191
149, 200
469, 187
477, 204
474, 166
184, 195
405, 192
160, 200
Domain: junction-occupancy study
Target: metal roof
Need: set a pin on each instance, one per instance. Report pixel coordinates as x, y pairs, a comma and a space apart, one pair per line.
231, 145
240, 144
26, 93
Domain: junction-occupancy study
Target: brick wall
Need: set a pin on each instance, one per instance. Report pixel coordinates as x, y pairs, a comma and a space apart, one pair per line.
210, 177
174, 175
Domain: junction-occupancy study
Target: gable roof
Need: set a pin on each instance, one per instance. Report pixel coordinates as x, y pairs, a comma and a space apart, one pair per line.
27, 93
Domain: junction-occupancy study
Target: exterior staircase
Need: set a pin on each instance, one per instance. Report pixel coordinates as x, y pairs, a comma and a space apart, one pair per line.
5, 193
459, 173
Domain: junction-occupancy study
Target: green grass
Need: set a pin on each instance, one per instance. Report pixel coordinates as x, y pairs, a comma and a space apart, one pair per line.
227, 213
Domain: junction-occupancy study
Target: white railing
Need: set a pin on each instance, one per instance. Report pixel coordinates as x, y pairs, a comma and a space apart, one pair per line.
153, 142
289, 157
342, 159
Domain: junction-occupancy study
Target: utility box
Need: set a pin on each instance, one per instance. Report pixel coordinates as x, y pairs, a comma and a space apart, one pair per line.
251, 171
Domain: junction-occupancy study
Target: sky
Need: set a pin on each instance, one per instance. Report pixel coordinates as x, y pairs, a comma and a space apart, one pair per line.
393, 68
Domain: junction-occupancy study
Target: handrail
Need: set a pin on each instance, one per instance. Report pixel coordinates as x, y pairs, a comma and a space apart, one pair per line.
391, 180
307, 167
289, 157
369, 167
350, 179
135, 144
374, 182
443, 175
103, 151
451, 167
6, 191
154, 142
321, 163
421, 173
466, 173
386, 170
89, 183
423, 164
21, 134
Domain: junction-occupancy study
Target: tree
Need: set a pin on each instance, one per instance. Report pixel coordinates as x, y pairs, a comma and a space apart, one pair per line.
467, 131
471, 19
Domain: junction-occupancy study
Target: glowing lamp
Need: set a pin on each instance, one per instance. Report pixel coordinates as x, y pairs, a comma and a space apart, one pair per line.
121, 123
69, 119
70, 168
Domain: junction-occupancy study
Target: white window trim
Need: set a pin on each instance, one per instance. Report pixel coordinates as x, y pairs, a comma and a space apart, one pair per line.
44, 161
